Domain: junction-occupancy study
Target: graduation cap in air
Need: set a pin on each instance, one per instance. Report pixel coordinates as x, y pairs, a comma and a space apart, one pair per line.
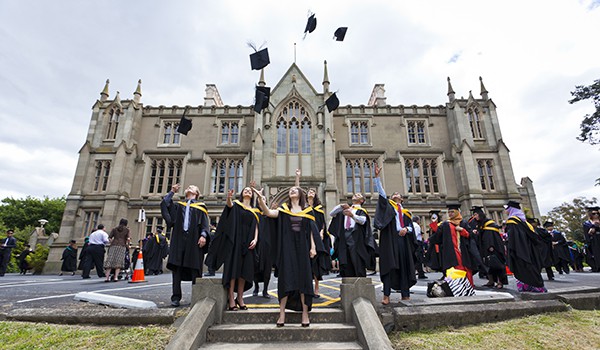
453, 206
340, 33
261, 98
311, 24
332, 103
259, 59
185, 124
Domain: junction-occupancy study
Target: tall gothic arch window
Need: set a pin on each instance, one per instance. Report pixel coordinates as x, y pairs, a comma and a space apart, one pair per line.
486, 174
293, 130
113, 125
475, 123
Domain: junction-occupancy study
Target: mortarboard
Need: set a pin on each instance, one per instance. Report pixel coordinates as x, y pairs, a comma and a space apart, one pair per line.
332, 103
548, 223
185, 125
261, 98
596, 208
533, 221
311, 24
512, 204
453, 206
260, 59
476, 209
340, 33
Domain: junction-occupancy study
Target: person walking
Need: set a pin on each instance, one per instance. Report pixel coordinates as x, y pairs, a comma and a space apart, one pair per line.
6, 247
115, 259
69, 258
523, 250
189, 238
94, 255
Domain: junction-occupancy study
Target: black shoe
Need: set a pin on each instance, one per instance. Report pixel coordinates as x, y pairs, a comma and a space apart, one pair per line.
175, 303
423, 277
85, 277
208, 274
551, 279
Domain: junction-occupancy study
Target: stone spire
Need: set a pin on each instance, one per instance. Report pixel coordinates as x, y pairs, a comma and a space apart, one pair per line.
484, 92
104, 93
325, 78
450, 91
261, 80
118, 100
137, 95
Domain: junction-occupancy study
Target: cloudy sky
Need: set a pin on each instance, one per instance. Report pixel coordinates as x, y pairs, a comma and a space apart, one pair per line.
56, 55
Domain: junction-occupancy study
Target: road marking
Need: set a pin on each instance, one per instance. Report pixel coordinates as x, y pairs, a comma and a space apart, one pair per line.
97, 291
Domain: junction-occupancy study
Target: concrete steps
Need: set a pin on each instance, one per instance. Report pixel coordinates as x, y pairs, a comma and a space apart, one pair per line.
256, 329
285, 345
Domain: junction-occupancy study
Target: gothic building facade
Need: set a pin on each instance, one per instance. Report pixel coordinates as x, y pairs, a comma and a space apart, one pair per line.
432, 154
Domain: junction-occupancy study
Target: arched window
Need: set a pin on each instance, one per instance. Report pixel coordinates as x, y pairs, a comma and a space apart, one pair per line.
293, 130
475, 123
113, 125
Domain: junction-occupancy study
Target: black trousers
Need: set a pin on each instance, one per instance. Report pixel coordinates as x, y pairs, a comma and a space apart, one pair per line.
387, 289
4, 260
177, 273
95, 258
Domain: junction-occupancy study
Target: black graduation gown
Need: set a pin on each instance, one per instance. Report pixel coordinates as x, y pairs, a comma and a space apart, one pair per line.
469, 253
83, 256
292, 260
396, 253
264, 251
69, 258
523, 253
561, 250
361, 254
184, 252
433, 257
592, 241
321, 263
545, 247
155, 250
23, 264
235, 231
489, 237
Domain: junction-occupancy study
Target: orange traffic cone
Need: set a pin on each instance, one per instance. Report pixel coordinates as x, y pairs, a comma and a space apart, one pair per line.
138, 272
508, 271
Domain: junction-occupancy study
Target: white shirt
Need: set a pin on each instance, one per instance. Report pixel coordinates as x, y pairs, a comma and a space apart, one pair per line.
99, 237
381, 192
418, 231
354, 219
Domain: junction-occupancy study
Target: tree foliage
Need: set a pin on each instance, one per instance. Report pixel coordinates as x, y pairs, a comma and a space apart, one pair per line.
569, 217
590, 125
20, 213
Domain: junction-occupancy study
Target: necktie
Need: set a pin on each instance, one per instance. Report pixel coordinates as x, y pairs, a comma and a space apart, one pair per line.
186, 216
400, 216
348, 223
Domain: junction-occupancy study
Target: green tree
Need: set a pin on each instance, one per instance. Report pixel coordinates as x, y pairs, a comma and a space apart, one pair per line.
20, 213
590, 125
569, 217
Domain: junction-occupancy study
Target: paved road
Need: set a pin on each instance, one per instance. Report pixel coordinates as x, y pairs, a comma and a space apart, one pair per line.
51, 291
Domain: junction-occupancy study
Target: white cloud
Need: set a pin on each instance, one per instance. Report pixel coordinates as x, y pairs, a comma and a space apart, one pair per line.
57, 55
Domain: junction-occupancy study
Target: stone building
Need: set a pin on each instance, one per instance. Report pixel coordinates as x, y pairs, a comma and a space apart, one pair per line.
433, 154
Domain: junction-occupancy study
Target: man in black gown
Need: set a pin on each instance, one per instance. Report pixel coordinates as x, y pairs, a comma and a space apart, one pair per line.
354, 243
190, 224
397, 243
155, 250
545, 247
562, 257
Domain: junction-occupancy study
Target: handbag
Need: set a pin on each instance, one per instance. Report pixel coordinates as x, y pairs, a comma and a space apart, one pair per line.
493, 262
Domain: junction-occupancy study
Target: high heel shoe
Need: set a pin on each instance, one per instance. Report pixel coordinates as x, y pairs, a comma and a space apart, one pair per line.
305, 324
280, 324
232, 308
242, 307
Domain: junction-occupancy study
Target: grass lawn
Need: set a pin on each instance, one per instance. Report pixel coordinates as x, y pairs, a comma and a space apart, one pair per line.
25, 335
561, 330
